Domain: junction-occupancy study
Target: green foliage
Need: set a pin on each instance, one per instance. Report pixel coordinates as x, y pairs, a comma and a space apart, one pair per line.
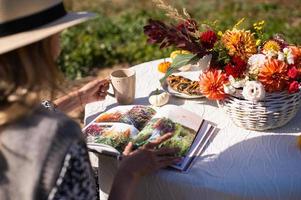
105, 42
116, 35
180, 61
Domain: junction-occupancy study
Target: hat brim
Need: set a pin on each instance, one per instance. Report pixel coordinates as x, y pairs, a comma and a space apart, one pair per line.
15, 41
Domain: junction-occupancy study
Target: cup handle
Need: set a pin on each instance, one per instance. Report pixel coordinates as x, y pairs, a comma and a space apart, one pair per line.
111, 94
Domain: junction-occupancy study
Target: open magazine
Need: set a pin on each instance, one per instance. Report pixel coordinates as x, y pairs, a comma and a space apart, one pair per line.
111, 131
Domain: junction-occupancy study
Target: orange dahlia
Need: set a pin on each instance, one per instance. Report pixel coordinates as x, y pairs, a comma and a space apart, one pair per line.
212, 84
273, 75
240, 43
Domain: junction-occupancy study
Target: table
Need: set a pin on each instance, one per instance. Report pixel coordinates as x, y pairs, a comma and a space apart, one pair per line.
237, 164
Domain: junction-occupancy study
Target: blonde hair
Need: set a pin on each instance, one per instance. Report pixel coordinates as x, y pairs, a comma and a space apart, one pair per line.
24, 74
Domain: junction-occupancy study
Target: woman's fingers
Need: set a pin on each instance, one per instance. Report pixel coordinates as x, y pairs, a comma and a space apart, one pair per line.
101, 82
168, 158
103, 88
167, 162
158, 141
166, 152
128, 149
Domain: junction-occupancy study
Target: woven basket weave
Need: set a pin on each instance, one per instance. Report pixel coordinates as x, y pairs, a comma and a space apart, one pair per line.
275, 111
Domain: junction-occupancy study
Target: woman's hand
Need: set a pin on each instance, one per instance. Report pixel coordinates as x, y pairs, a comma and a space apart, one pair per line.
94, 91
147, 159
138, 163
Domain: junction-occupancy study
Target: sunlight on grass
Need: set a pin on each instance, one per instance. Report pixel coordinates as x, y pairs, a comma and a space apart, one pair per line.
116, 36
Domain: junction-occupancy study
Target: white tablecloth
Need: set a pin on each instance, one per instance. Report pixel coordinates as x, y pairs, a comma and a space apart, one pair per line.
237, 164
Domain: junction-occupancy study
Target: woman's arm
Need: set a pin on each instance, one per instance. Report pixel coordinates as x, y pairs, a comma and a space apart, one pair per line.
123, 186
68, 102
93, 91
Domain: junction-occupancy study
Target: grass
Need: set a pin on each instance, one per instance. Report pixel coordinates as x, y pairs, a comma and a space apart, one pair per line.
116, 36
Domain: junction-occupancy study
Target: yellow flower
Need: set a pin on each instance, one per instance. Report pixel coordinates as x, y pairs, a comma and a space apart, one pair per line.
240, 43
261, 23
258, 26
271, 46
258, 42
239, 23
220, 33
174, 54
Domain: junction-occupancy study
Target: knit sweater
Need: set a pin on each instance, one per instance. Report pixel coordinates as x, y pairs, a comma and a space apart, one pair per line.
32, 152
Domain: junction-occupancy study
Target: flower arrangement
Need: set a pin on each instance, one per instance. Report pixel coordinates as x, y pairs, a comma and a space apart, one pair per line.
243, 63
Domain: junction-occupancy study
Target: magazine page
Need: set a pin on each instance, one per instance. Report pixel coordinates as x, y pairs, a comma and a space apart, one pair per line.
184, 125
114, 136
137, 115
111, 131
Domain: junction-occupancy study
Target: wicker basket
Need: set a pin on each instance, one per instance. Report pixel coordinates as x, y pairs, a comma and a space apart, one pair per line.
275, 111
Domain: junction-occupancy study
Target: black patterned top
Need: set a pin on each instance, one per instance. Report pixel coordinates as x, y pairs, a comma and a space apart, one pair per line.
76, 180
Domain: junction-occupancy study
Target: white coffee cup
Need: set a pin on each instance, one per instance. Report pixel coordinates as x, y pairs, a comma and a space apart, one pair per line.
124, 85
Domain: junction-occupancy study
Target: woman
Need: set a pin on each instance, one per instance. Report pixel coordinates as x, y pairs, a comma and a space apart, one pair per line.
43, 154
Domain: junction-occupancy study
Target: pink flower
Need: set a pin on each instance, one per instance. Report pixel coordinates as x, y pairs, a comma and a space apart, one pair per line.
293, 73
293, 87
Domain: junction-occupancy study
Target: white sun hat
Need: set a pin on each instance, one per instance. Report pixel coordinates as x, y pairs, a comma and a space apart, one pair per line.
24, 22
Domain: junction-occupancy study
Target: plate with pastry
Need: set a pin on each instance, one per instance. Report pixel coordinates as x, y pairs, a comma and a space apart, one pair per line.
183, 85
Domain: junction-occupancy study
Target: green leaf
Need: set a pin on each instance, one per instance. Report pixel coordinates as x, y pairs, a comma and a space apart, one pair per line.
180, 61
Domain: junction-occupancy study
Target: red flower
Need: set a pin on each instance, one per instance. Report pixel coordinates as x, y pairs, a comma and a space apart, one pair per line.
293, 73
208, 39
239, 62
236, 68
293, 87
231, 71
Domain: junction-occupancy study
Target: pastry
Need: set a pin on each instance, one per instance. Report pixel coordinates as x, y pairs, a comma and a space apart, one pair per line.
184, 85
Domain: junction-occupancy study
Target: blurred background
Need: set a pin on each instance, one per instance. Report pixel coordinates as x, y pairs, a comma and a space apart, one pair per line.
115, 38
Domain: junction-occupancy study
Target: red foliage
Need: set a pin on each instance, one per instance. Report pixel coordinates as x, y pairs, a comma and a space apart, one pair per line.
189, 25
169, 35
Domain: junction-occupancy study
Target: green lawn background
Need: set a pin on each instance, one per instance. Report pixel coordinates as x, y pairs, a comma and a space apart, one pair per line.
116, 35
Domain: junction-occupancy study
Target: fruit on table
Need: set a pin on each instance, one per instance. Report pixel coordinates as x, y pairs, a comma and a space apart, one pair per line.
158, 98
174, 54
163, 67
178, 52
